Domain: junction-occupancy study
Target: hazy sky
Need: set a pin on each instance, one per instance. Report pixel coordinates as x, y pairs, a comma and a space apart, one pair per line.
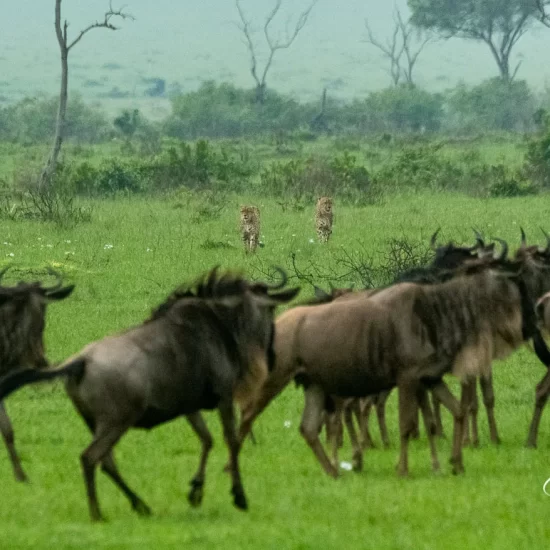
186, 41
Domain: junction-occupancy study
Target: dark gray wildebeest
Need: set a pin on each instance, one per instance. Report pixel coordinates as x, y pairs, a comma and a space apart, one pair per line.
538, 255
208, 345
446, 257
22, 323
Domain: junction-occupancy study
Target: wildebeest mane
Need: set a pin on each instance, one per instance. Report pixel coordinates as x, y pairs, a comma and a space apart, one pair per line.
211, 285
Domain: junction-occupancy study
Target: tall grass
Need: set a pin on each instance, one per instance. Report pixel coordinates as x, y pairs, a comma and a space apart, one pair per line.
124, 262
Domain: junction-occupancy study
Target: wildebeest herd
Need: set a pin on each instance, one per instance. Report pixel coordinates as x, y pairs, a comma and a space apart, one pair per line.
216, 342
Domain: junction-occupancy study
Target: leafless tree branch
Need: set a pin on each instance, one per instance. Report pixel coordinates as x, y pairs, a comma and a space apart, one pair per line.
399, 46
105, 24
543, 15
273, 45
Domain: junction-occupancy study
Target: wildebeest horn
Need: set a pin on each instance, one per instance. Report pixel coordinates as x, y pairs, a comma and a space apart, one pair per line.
523, 238
547, 249
433, 239
284, 279
58, 283
3, 271
480, 243
504, 252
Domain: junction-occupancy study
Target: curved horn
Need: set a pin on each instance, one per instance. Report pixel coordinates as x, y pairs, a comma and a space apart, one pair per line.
480, 243
434, 238
284, 279
523, 238
547, 249
58, 283
504, 252
3, 271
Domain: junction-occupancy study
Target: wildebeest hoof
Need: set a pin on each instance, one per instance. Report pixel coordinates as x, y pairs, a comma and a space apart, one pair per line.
196, 493
530, 445
21, 477
458, 469
239, 499
141, 508
358, 464
496, 441
227, 468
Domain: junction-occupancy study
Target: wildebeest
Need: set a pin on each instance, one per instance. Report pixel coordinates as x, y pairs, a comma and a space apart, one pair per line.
538, 255
22, 323
411, 334
446, 258
208, 345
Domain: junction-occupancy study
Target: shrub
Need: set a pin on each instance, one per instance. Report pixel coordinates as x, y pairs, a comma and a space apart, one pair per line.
492, 105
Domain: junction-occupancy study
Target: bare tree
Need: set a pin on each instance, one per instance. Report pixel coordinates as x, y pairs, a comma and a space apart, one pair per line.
543, 13
274, 45
65, 47
402, 49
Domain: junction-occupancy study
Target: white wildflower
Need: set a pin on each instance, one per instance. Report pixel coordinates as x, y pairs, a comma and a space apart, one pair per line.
311, 241
287, 423
11, 254
107, 247
49, 245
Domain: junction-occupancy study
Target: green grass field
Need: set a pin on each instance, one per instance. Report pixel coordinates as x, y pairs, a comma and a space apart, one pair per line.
123, 263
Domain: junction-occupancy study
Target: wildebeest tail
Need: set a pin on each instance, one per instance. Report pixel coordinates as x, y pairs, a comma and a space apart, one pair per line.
16, 379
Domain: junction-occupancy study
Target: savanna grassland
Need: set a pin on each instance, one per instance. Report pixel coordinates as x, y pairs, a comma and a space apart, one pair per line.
125, 260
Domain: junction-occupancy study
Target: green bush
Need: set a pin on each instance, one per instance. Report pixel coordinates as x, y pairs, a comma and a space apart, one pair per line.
537, 158
398, 109
308, 179
492, 105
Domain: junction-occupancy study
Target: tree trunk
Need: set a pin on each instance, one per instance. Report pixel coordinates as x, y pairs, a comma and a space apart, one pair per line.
260, 93
51, 163
503, 61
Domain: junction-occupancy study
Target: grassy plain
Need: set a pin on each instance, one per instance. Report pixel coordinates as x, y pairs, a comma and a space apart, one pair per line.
156, 244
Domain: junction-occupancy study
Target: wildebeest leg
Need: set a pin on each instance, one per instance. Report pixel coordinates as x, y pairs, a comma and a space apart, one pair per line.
357, 457
331, 423
272, 387
541, 396
457, 409
469, 389
108, 465
365, 407
104, 440
429, 424
310, 426
408, 410
381, 400
437, 414
356, 407
197, 483
7, 433
488, 394
227, 415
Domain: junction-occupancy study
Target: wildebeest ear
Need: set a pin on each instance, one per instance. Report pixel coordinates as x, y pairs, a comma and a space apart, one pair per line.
320, 293
285, 295
61, 293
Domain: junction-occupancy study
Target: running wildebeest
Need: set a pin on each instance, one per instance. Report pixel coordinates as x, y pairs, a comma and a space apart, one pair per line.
446, 257
22, 323
208, 345
411, 334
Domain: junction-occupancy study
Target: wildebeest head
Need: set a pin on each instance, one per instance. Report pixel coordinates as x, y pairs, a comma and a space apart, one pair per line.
244, 306
447, 259
23, 319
